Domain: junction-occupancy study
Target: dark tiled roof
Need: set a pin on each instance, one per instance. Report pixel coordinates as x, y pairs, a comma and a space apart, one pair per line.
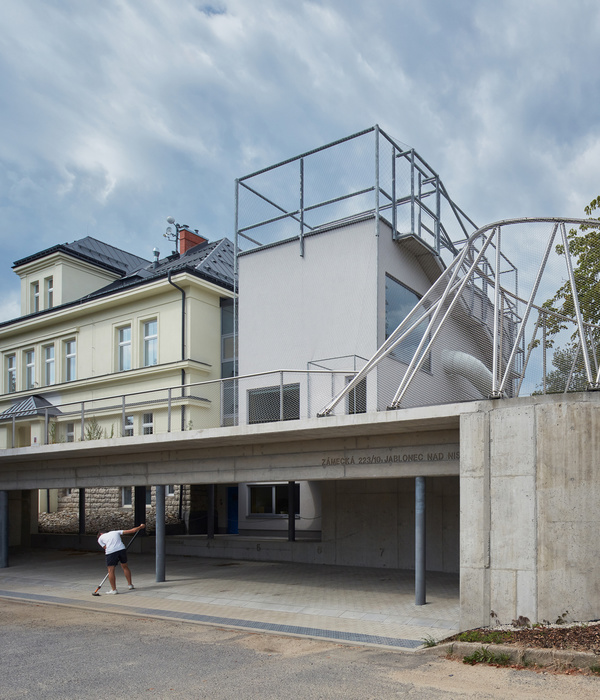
211, 261
96, 253
28, 407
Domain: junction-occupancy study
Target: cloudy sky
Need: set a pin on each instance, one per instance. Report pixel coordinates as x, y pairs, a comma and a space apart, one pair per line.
118, 113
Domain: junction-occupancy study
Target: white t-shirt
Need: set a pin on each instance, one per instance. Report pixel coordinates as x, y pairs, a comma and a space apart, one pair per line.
112, 541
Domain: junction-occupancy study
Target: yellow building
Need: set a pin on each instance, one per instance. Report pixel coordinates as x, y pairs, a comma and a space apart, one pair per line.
107, 339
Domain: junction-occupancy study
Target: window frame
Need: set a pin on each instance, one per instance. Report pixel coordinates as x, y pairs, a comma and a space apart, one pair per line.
274, 487
148, 424
124, 346
70, 359
279, 392
49, 292
35, 297
150, 343
29, 356
11, 373
49, 365
404, 352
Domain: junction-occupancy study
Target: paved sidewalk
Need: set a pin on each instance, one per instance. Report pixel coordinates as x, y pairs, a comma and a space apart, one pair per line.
348, 604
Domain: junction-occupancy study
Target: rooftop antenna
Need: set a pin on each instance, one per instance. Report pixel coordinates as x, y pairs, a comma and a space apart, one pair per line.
170, 235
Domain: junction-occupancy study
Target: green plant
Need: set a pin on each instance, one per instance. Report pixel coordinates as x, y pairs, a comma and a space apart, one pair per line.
429, 641
94, 431
485, 656
595, 669
488, 637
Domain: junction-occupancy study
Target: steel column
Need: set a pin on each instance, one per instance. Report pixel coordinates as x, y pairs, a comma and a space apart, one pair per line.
82, 511
420, 543
3, 529
210, 513
291, 511
160, 533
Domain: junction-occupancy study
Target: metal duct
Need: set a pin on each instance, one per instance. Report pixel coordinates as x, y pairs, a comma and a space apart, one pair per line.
471, 368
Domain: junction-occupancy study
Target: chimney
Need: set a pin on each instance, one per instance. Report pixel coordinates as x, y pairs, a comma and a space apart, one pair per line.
188, 239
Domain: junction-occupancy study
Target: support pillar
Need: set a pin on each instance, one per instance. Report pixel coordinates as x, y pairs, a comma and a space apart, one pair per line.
82, 511
420, 550
3, 529
160, 533
210, 513
291, 511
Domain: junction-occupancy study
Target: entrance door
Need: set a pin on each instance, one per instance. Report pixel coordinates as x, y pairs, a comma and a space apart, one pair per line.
232, 510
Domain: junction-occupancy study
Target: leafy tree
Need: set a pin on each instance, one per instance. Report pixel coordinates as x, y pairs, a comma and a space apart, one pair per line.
557, 379
584, 246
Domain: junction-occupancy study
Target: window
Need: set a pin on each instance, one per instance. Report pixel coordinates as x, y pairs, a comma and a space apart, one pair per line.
30, 369
124, 359
150, 343
272, 499
148, 424
170, 490
11, 373
274, 403
49, 292
126, 497
399, 302
128, 427
35, 297
357, 397
48, 365
70, 432
70, 360
228, 349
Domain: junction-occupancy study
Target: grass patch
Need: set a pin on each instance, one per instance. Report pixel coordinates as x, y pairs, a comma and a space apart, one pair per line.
429, 641
484, 636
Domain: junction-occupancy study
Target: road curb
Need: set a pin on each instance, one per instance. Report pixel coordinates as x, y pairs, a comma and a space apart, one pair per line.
525, 656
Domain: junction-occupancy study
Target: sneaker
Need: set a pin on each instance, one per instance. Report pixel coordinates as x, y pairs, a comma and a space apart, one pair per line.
131, 587
115, 592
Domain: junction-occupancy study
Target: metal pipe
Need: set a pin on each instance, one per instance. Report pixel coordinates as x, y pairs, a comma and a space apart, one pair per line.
420, 542
496, 315
183, 348
584, 350
532, 296
159, 492
376, 180
302, 207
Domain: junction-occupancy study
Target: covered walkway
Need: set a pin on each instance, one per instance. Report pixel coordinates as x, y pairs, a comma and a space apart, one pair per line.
352, 605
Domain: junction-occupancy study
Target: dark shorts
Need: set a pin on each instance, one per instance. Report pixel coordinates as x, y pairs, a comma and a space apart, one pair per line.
115, 557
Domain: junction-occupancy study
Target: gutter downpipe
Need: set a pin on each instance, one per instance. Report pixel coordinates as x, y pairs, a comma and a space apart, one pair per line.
183, 299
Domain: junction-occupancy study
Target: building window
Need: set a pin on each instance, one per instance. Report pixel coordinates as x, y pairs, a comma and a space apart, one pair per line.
49, 292
148, 496
126, 497
148, 424
357, 397
399, 302
11, 373
272, 499
150, 343
170, 490
70, 432
70, 360
128, 427
48, 365
274, 403
35, 297
124, 360
29, 369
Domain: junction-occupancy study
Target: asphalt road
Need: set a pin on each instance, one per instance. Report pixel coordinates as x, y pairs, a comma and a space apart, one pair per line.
65, 653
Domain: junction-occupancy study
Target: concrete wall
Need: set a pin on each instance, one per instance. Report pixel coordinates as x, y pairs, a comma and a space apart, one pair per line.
530, 510
372, 523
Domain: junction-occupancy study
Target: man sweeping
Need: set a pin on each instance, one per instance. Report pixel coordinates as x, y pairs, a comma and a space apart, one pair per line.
116, 552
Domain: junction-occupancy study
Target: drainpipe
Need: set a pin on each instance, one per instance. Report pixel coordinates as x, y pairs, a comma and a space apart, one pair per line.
182, 343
